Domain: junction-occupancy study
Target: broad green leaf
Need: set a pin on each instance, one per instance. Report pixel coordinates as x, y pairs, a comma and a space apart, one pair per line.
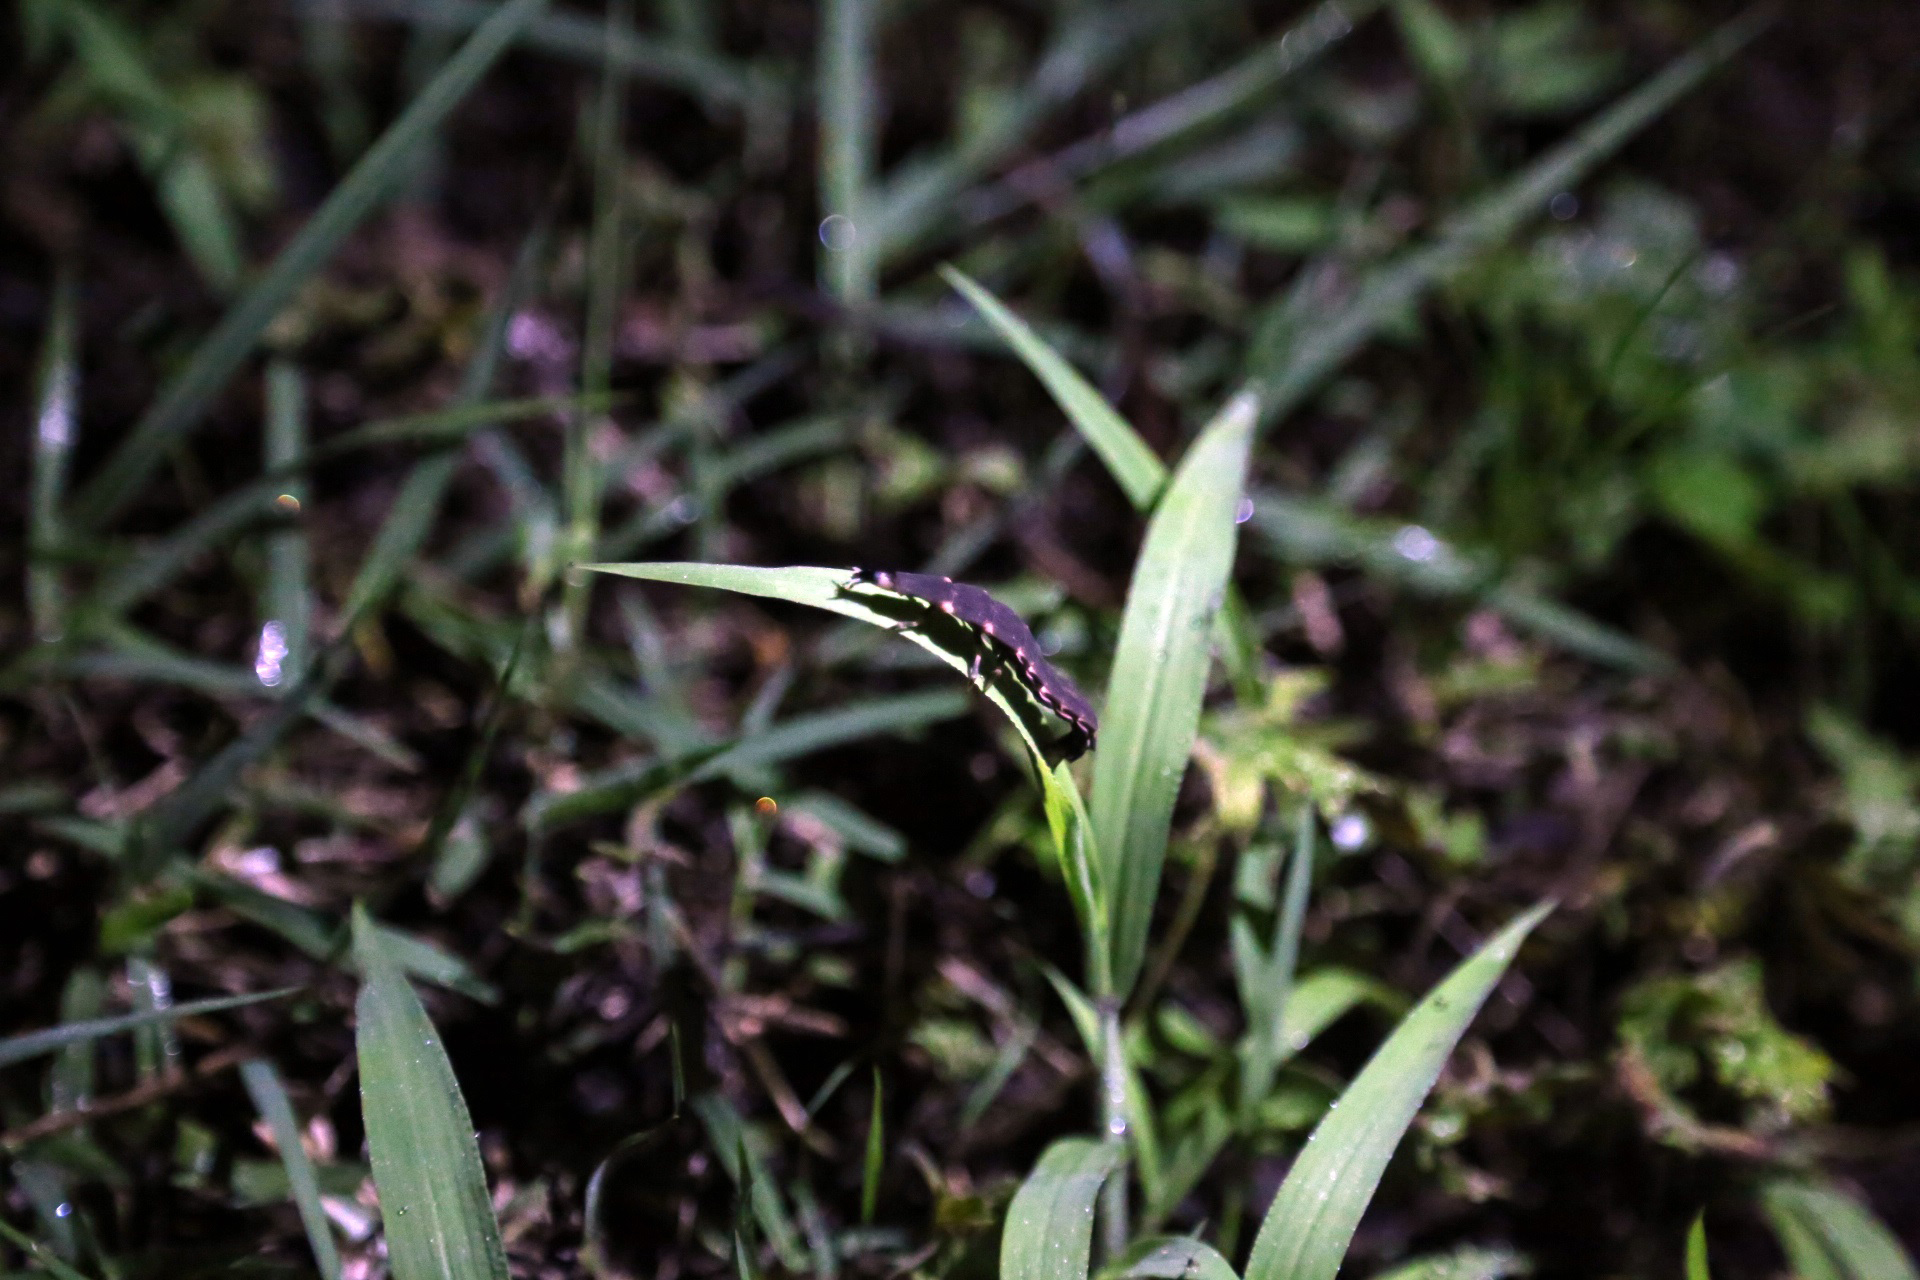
1171, 1258
1049, 1230
1828, 1235
1313, 1219
426, 1163
35, 1043
220, 354
1159, 676
270, 1100
1140, 474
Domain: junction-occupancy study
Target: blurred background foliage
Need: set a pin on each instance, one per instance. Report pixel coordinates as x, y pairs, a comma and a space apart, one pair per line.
1579, 562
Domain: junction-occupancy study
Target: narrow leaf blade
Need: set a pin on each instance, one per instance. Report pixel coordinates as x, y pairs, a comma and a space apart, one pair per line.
1313, 1219
1160, 674
1139, 473
426, 1163
221, 353
1049, 1231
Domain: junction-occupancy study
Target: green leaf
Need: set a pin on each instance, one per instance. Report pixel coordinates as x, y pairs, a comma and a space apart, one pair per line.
270, 1100
1828, 1235
731, 1142
828, 589
1313, 1219
1159, 674
876, 1155
221, 353
35, 1043
56, 422
42, 1255
1132, 464
1697, 1250
1049, 1230
1283, 379
849, 138
1171, 1258
1469, 1262
426, 1163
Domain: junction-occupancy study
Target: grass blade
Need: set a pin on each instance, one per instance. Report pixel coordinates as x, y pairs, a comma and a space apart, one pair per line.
1160, 669
1330, 342
1828, 1235
1217, 98
1173, 1258
220, 354
270, 1100
55, 421
580, 481
1140, 474
717, 82
876, 1155
1312, 1220
426, 1163
41, 1255
1267, 987
1049, 1231
727, 1133
848, 123
1697, 1250
288, 604
34, 1044
826, 588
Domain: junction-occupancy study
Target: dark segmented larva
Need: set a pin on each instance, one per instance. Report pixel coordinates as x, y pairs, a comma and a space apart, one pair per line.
973, 606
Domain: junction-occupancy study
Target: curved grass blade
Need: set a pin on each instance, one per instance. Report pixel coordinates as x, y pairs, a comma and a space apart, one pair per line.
1828, 1235
270, 1100
1171, 1258
1313, 1219
819, 588
1140, 474
822, 588
35, 1043
1159, 675
220, 354
426, 1164
1049, 1231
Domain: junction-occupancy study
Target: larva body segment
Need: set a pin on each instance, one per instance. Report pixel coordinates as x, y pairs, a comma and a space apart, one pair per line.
1006, 631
